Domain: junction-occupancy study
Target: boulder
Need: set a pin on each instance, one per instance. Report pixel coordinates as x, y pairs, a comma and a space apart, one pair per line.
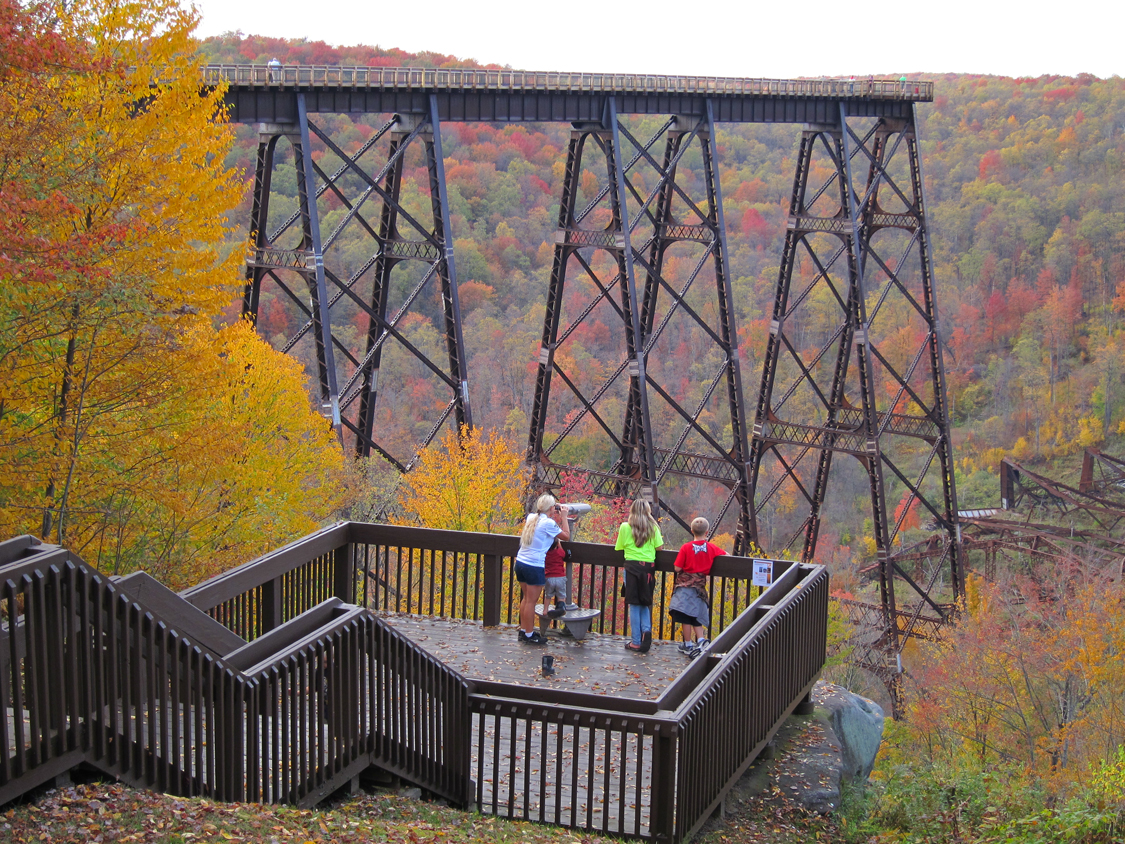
858, 725
812, 756
819, 754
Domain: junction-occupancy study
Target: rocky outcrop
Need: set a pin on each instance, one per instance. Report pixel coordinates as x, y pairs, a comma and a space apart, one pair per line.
857, 724
812, 756
839, 744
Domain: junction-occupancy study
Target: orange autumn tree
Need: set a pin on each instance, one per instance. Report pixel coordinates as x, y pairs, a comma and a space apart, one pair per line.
472, 483
112, 226
131, 430
1030, 679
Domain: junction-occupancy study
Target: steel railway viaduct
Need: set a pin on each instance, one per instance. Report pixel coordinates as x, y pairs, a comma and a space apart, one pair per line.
853, 363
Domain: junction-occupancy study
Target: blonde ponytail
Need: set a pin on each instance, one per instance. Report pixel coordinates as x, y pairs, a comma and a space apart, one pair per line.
543, 505
641, 522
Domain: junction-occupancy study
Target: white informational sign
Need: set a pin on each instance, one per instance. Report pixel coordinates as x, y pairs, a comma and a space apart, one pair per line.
763, 573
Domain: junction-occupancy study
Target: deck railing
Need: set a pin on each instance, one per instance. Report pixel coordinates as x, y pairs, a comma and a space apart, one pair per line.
435, 573
652, 769
462, 79
89, 675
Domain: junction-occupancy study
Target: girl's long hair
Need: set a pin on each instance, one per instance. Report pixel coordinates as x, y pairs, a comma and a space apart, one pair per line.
543, 505
641, 522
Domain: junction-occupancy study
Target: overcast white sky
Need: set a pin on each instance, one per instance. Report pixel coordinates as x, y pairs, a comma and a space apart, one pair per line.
718, 38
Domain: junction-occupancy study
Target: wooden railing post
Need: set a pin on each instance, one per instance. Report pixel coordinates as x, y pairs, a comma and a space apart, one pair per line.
343, 574
662, 809
269, 607
493, 583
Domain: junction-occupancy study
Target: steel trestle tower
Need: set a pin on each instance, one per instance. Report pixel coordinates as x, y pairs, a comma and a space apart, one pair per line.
853, 366
637, 214
367, 290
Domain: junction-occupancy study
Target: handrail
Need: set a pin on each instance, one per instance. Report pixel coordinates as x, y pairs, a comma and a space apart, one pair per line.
463, 575
777, 664
471, 79
90, 676
222, 587
684, 691
19, 547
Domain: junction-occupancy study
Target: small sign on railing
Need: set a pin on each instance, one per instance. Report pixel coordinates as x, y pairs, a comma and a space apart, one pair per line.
762, 573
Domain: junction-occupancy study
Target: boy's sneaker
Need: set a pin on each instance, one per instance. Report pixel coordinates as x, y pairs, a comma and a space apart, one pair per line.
557, 611
685, 647
698, 647
532, 639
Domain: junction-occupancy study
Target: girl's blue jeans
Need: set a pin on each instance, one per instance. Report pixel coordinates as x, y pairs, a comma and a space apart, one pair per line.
640, 621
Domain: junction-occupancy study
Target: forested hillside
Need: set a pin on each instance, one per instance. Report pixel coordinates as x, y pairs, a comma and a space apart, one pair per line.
1013, 727
1025, 183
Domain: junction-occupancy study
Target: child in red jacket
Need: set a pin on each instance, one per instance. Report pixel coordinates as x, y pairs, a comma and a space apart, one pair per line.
690, 604
554, 569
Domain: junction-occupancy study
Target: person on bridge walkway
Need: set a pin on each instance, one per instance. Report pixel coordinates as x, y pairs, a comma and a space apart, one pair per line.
540, 530
690, 605
640, 539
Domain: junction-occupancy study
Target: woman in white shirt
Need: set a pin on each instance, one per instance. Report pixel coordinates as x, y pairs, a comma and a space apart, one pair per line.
539, 532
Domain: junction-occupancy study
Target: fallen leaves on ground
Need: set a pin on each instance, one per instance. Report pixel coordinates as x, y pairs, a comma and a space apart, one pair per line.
103, 813
774, 818
110, 812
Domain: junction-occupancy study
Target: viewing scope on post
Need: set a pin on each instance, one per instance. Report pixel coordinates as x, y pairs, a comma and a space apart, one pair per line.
576, 510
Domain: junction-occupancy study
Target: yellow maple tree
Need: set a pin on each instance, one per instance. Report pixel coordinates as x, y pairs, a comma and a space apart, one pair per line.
240, 465
472, 483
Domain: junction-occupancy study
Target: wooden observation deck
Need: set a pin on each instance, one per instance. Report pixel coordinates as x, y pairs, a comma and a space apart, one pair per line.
370, 645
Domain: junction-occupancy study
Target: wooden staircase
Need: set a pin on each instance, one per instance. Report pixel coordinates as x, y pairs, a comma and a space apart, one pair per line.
132, 679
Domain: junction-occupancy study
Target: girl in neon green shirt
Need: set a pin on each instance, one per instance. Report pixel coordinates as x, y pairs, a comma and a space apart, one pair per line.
640, 539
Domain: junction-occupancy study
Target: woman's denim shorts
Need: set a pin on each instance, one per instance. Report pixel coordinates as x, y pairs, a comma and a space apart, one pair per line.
531, 575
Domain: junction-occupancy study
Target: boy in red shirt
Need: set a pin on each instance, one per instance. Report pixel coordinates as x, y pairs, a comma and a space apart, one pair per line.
690, 605
554, 568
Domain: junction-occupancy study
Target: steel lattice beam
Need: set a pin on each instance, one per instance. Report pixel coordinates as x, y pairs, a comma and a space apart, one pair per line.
637, 214
397, 238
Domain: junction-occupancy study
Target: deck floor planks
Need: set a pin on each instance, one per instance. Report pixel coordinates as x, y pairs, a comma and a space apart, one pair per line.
599, 664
